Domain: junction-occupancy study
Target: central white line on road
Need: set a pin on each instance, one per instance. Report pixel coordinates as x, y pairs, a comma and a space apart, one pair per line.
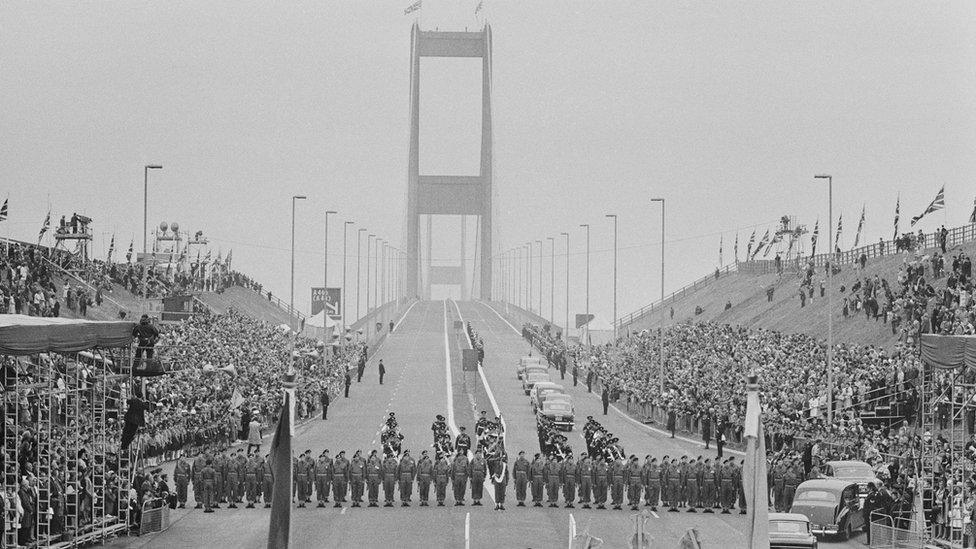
484, 380
514, 329
450, 381
655, 515
467, 530
343, 512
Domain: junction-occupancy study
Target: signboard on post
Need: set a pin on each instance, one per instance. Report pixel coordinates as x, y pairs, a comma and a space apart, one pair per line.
469, 362
332, 300
583, 320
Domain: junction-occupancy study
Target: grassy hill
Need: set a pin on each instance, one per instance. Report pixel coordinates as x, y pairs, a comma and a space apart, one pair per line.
247, 302
750, 308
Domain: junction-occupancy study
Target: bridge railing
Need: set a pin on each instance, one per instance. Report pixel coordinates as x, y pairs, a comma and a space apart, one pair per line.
674, 297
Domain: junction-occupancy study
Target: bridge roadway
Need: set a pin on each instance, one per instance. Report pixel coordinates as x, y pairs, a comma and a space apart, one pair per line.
416, 389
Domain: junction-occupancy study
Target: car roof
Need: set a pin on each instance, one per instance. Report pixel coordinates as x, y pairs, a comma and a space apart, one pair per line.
789, 516
539, 374
555, 403
548, 385
848, 462
827, 483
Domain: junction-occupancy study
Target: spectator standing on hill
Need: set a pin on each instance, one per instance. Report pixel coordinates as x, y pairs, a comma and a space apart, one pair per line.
382, 369
605, 398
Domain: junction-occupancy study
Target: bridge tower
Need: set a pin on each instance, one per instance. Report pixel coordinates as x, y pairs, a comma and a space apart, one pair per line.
430, 195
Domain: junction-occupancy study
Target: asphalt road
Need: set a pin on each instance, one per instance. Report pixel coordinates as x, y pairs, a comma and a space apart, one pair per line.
416, 386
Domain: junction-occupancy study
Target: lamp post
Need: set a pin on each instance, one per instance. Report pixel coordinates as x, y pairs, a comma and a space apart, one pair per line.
830, 290
325, 268
291, 357
614, 217
145, 201
528, 276
359, 266
587, 325
345, 226
552, 278
566, 328
539, 242
661, 333
369, 269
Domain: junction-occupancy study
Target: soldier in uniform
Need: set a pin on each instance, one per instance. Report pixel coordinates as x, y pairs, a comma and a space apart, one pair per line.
442, 475
374, 472
727, 486
460, 470
390, 466
252, 474
323, 478
674, 486
220, 469
600, 473
241, 475
537, 478
199, 462
617, 483
791, 479
666, 472
267, 480
425, 472
740, 486
499, 478
232, 482
181, 474
551, 474
567, 475
463, 442
521, 473
340, 478
778, 474
357, 475
652, 482
683, 472
209, 478
479, 470
632, 478
584, 477
691, 485
406, 471
708, 486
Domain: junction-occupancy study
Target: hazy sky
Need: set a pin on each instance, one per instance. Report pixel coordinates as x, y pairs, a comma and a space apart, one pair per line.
727, 110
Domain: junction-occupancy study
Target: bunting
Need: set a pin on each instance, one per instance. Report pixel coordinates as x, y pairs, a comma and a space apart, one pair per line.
972, 216
479, 7
227, 261
735, 249
111, 248
776, 238
860, 225
3, 210
128, 255
720, 239
762, 242
897, 208
936, 205
752, 239
840, 226
412, 8
813, 239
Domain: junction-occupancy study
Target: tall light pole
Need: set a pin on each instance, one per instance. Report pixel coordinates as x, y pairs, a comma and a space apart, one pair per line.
291, 355
369, 268
325, 268
830, 291
345, 226
552, 278
528, 276
587, 325
539, 242
359, 266
566, 328
145, 202
661, 333
614, 217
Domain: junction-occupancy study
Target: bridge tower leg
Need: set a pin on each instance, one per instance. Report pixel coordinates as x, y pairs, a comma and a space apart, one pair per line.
449, 194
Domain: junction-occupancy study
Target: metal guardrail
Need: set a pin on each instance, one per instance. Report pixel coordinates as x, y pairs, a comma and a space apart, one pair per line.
675, 295
155, 516
885, 535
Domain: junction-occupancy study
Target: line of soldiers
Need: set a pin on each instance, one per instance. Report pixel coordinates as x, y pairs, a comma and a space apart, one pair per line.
786, 472
224, 477
551, 441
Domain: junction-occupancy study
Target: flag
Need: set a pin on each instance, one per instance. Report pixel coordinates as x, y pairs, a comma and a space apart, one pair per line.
778, 237
792, 241
206, 258
236, 400
860, 225
227, 261
936, 205
752, 239
45, 227
754, 472
972, 216
840, 225
480, 6
279, 529
762, 242
720, 238
813, 239
412, 8
897, 207
128, 255
736, 248
111, 248
3, 210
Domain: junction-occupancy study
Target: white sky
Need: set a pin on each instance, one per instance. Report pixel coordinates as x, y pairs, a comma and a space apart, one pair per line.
726, 110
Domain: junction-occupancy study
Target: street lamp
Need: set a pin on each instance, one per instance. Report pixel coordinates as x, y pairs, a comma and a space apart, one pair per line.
552, 277
566, 328
345, 226
325, 281
539, 242
369, 258
145, 201
830, 289
587, 225
528, 276
614, 217
359, 267
291, 363
661, 333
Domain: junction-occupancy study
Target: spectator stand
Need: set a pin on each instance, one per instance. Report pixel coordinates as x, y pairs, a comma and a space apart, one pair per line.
65, 384
77, 231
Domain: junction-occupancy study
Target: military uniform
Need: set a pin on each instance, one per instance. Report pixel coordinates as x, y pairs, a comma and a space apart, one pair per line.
537, 477
737, 479
220, 470
551, 474
584, 476
390, 466
778, 475
199, 463
425, 473
340, 478
252, 474
459, 471
357, 477
567, 474
323, 478
617, 483
632, 478
708, 486
691, 486
406, 472
181, 474
209, 478
442, 475
727, 487
232, 482
479, 469
652, 483
791, 479
499, 479
600, 473
267, 481
521, 470
374, 474
674, 486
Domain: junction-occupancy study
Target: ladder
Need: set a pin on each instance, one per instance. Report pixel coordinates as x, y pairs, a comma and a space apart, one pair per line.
99, 444
11, 440
73, 485
46, 408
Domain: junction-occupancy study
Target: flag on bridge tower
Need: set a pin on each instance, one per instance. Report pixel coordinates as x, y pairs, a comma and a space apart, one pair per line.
972, 216
860, 225
754, 473
813, 238
279, 529
897, 207
762, 242
479, 7
3, 210
937, 204
412, 8
229, 255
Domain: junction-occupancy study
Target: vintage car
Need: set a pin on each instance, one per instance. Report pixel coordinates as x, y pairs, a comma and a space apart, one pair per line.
540, 391
531, 378
526, 361
832, 505
790, 531
854, 471
560, 412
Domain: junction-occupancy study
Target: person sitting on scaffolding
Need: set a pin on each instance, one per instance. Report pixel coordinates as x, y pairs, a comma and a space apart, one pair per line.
146, 336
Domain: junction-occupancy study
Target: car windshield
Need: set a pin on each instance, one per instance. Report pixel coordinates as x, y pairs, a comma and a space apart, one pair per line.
556, 407
816, 495
853, 471
788, 527
534, 377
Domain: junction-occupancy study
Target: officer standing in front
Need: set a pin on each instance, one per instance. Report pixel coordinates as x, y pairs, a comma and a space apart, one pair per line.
425, 473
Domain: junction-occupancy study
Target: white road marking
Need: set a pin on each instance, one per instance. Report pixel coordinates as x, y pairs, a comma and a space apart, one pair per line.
655, 515
343, 512
467, 530
514, 329
484, 380
450, 381
402, 318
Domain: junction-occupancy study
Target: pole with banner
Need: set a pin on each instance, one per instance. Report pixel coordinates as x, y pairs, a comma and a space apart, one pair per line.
279, 529
754, 474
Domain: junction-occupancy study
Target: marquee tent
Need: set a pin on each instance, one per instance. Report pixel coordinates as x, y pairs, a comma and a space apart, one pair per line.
27, 335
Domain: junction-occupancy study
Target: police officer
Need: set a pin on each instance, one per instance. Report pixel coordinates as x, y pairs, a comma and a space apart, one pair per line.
567, 474
323, 478
652, 482
551, 474
521, 473
584, 477
442, 475
357, 477
340, 478
406, 472
617, 483
479, 469
374, 472
425, 473
538, 479
460, 470
632, 478
600, 477
209, 478
390, 474
181, 474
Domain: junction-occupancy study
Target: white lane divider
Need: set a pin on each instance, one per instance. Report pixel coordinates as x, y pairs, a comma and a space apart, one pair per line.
467, 530
484, 380
450, 380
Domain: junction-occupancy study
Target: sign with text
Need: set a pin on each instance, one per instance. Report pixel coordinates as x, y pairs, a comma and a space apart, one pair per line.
332, 300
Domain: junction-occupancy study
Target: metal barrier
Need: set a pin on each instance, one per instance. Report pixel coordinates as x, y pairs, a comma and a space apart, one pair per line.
155, 516
885, 535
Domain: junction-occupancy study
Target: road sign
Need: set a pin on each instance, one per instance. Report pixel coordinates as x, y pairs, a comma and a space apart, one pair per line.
458, 325
469, 362
583, 320
333, 301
